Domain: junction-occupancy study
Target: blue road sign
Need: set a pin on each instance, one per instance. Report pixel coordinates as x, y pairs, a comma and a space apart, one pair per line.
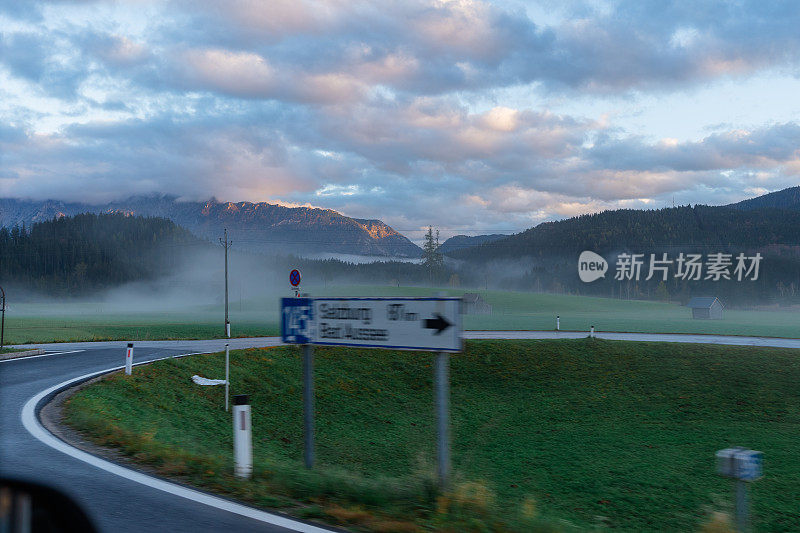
432, 324
749, 465
296, 320
740, 463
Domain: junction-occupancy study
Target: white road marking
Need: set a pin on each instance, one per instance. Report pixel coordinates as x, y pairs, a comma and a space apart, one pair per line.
31, 423
37, 356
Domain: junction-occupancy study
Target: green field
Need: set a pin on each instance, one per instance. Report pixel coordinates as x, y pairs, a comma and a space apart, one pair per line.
599, 434
535, 311
27, 323
90, 321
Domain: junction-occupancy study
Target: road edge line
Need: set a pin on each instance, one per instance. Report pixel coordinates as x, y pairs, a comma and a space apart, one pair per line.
30, 420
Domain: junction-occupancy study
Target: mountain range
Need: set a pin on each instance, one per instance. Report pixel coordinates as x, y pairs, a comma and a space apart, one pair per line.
258, 227
768, 221
264, 227
459, 242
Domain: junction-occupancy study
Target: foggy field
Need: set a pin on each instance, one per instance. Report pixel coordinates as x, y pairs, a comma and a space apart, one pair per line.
534, 311
58, 322
258, 316
600, 433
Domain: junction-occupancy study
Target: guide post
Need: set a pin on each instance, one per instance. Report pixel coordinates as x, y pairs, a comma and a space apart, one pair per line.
242, 437
129, 359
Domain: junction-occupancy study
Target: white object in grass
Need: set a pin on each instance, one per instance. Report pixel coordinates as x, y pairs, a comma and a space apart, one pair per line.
205, 381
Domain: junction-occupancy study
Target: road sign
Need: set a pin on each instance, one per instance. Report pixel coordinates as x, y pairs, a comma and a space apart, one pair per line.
432, 324
740, 463
743, 466
749, 463
296, 318
295, 277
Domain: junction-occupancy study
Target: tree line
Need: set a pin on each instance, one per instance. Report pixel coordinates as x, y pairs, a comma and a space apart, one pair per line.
80, 254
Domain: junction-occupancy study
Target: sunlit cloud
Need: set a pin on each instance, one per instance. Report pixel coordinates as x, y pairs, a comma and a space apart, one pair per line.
465, 114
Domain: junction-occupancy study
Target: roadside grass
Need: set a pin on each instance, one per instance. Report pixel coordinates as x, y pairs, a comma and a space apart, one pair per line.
547, 435
11, 350
28, 330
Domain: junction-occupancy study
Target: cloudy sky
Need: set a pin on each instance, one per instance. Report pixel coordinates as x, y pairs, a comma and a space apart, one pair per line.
472, 116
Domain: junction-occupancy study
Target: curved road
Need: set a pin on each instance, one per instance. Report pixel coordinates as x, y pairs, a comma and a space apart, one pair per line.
120, 500
113, 502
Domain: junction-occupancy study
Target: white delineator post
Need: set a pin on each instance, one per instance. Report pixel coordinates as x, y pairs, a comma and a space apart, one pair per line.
558, 323
591, 332
227, 376
129, 360
242, 437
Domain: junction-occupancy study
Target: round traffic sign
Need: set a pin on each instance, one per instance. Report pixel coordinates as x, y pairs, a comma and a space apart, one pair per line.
294, 277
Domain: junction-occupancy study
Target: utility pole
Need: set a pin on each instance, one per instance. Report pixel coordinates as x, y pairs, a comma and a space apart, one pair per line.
3, 320
227, 244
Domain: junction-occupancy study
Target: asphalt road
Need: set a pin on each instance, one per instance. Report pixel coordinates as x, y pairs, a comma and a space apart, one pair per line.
118, 499
113, 502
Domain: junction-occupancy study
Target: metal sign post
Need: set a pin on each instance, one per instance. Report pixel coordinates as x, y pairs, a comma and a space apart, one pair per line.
426, 324
442, 386
3, 319
308, 405
227, 375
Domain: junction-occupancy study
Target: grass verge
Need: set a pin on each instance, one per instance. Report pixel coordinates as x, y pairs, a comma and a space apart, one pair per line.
546, 434
12, 350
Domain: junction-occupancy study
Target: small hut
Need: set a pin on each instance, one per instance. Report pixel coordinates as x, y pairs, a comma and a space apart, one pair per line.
706, 307
474, 304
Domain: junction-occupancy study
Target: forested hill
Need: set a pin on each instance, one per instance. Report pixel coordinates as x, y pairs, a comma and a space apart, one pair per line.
71, 255
785, 199
626, 229
459, 242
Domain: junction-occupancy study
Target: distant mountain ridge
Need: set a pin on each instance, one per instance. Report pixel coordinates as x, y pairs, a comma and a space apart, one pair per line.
260, 227
771, 220
783, 199
459, 242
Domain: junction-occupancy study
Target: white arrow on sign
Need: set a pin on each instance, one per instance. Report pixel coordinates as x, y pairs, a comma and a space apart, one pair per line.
432, 324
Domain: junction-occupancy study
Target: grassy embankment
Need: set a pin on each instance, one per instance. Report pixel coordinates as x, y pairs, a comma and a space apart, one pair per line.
597, 433
27, 323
